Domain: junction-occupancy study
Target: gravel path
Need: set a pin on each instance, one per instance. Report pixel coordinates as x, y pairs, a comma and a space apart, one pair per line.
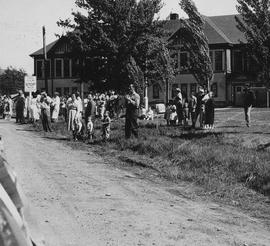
75, 198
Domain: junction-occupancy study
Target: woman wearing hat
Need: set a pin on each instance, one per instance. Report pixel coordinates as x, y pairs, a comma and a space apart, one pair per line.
178, 101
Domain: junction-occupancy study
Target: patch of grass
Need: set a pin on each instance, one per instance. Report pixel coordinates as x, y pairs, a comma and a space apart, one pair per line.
221, 166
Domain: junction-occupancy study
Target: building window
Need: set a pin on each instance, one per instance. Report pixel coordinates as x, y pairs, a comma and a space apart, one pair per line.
238, 61
75, 67
174, 93
58, 68
175, 61
214, 89
66, 91
184, 61
66, 68
39, 69
193, 88
184, 90
156, 89
217, 59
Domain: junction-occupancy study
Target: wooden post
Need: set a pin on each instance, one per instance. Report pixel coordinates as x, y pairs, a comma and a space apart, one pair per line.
45, 59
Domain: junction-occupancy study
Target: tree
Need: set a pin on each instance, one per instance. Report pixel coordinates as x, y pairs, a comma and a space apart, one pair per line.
117, 40
254, 22
195, 42
12, 80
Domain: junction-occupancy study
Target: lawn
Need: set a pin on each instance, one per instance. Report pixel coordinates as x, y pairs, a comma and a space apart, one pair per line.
230, 164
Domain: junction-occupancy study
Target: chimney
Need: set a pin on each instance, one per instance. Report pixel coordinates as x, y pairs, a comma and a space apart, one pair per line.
174, 16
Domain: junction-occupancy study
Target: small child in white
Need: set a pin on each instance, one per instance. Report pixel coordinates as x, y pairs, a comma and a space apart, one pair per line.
106, 126
90, 128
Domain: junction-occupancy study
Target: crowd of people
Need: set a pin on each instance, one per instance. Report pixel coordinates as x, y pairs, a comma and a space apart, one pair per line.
184, 109
81, 115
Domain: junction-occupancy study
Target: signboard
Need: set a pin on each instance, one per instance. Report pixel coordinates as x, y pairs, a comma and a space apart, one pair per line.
30, 83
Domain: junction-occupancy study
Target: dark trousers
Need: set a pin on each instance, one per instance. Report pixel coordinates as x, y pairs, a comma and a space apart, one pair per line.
131, 127
20, 116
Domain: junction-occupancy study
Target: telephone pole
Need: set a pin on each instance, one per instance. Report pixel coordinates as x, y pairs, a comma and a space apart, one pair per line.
45, 59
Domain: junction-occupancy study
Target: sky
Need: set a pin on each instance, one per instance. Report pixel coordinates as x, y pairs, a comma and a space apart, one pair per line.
21, 24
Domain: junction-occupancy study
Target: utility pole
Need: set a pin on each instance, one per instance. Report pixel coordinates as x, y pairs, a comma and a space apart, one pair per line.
45, 59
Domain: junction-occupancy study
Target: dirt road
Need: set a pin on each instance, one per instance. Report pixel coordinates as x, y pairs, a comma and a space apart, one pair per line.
76, 199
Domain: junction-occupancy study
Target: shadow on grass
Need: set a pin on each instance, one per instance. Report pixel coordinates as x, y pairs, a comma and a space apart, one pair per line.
58, 138
195, 135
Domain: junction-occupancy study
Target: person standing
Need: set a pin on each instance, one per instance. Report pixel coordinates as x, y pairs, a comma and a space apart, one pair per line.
90, 110
178, 102
45, 112
55, 107
199, 112
73, 108
249, 100
20, 105
132, 106
192, 104
209, 111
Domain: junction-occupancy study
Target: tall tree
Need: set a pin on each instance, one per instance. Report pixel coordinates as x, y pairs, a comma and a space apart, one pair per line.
254, 22
118, 39
195, 42
12, 80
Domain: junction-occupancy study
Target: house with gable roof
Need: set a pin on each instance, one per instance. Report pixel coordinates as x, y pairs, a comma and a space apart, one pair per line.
231, 65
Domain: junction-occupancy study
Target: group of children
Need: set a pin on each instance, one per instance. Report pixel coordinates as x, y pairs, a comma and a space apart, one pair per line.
87, 131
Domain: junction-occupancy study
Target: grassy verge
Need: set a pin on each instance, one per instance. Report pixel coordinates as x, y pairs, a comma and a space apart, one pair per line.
223, 169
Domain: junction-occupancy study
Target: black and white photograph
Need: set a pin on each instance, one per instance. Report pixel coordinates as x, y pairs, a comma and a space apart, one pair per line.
135, 123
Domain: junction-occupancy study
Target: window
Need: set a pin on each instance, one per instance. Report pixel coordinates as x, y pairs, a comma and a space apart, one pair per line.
216, 57
156, 89
176, 62
174, 93
75, 67
184, 61
184, 90
238, 89
218, 60
238, 61
66, 91
39, 69
58, 67
193, 88
214, 89
66, 68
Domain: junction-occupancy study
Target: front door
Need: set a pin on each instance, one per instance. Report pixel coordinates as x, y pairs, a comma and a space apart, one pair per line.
238, 95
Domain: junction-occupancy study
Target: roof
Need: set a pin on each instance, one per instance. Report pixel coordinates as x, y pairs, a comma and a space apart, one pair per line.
48, 48
218, 30
228, 25
221, 30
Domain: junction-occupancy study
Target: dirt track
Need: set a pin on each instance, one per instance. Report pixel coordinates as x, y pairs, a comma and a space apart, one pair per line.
76, 199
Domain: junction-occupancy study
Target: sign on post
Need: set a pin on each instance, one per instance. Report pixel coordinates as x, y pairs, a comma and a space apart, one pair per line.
30, 83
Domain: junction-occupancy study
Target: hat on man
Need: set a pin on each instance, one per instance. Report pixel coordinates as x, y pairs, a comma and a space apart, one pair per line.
178, 89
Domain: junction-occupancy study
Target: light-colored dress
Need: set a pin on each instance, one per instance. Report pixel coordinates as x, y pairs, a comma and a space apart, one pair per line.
72, 114
56, 107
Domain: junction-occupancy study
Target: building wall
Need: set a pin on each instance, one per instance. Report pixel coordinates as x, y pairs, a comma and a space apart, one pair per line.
189, 82
63, 86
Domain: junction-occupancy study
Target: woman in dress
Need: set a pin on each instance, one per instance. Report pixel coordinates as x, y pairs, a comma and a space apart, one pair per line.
73, 107
209, 111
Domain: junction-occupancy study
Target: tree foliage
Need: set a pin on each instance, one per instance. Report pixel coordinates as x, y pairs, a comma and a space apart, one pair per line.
12, 80
120, 40
254, 22
195, 42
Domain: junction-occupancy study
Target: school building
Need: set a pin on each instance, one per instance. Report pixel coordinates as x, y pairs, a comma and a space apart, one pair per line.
231, 65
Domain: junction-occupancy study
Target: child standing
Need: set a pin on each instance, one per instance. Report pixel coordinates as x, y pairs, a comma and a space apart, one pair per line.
173, 115
90, 128
106, 126
186, 112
